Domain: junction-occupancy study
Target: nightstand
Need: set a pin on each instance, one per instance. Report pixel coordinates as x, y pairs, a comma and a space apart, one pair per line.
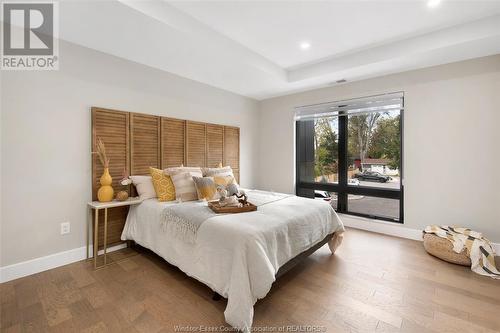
96, 206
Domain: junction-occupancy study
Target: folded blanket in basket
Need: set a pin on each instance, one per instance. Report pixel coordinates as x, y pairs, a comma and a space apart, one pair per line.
478, 248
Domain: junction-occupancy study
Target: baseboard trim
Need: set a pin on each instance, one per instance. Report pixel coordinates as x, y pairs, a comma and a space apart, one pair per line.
37, 265
381, 227
389, 228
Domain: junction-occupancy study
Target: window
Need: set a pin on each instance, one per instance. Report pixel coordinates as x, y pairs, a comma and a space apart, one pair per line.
350, 153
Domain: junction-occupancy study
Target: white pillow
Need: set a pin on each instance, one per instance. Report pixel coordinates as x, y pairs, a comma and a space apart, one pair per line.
174, 170
213, 171
185, 189
221, 172
144, 186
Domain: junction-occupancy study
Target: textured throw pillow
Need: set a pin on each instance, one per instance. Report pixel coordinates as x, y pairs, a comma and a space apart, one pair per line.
185, 189
144, 186
162, 183
212, 171
174, 170
206, 188
220, 172
223, 180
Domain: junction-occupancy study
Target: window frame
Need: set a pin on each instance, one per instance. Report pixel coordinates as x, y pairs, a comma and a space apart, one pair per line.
342, 188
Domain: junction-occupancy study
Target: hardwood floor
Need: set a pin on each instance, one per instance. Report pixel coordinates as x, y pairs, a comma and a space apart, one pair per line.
374, 283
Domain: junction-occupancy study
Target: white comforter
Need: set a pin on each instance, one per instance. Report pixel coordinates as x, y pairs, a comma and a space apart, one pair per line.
237, 255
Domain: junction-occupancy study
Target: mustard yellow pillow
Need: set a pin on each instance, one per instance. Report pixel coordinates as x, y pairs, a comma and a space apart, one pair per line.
165, 190
223, 180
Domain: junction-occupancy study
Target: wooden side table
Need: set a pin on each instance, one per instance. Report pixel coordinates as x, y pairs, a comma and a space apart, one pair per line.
96, 206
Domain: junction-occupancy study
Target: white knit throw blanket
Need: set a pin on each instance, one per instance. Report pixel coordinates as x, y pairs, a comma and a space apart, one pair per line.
184, 219
478, 248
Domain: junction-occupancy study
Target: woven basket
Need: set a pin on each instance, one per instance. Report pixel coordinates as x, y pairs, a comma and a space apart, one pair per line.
443, 249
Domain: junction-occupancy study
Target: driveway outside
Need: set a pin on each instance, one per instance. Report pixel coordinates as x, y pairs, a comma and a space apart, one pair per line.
372, 205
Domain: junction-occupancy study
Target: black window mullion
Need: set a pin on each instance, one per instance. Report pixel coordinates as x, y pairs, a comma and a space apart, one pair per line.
360, 190
342, 146
401, 169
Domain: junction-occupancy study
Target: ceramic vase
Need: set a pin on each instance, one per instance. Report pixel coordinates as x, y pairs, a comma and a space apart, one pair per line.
105, 192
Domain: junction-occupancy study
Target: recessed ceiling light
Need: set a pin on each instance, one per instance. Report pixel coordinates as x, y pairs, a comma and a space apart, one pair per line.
305, 45
433, 3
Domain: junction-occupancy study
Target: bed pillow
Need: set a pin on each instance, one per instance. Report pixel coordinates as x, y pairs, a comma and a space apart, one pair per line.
173, 170
185, 189
144, 186
162, 183
206, 188
220, 172
218, 169
223, 180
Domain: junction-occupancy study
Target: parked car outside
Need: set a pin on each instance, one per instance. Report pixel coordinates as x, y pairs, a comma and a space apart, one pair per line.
353, 182
322, 195
372, 176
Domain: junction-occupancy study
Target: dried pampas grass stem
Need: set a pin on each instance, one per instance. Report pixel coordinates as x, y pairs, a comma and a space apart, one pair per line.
101, 152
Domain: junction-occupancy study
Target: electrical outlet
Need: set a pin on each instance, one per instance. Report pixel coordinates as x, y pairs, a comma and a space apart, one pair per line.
65, 228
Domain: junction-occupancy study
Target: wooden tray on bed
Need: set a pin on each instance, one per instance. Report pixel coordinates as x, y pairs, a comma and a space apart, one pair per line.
248, 207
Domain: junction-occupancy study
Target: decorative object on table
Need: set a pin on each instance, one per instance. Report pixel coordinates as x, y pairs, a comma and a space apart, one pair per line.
126, 181
125, 178
227, 200
232, 189
476, 247
105, 192
222, 192
231, 201
122, 196
242, 197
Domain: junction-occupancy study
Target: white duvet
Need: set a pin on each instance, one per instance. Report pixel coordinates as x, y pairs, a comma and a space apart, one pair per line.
237, 255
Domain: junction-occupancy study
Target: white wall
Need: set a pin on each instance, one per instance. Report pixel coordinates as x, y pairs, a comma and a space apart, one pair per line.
46, 142
452, 122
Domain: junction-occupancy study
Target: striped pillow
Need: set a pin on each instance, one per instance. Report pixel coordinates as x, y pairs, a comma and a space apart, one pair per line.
220, 172
185, 189
173, 170
212, 171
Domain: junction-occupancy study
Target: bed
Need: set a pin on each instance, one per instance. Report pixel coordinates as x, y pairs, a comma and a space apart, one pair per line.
238, 255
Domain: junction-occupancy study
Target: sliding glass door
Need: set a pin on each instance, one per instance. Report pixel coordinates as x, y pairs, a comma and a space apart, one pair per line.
350, 154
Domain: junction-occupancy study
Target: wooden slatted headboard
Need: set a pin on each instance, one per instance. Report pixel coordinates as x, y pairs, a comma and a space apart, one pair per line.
136, 141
